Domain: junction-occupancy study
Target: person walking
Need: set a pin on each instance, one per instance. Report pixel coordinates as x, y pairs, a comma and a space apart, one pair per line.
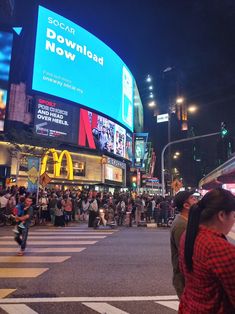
207, 259
52, 207
67, 207
182, 201
22, 234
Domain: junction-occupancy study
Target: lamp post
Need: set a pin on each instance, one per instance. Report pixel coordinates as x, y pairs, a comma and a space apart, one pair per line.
176, 142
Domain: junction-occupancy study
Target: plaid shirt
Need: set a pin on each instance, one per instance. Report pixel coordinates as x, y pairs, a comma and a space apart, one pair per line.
210, 287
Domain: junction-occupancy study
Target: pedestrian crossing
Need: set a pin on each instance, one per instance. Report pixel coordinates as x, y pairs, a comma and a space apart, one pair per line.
157, 304
45, 247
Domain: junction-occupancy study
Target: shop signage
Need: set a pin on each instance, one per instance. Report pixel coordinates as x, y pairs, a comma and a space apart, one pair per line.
57, 160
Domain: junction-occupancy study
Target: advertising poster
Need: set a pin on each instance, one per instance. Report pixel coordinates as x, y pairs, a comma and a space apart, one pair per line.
140, 140
71, 63
100, 133
33, 168
5, 59
56, 120
129, 146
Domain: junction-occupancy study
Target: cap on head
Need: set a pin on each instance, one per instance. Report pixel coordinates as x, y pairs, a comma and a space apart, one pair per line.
181, 198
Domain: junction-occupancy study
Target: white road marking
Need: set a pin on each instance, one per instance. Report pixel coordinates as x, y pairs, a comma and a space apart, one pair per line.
68, 233
45, 249
5, 292
174, 305
104, 308
55, 237
68, 229
17, 308
21, 272
33, 259
89, 299
50, 242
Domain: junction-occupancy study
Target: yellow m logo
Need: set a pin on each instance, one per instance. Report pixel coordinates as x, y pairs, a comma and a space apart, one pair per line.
57, 163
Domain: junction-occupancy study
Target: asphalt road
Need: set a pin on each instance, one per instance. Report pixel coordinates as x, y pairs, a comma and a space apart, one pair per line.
80, 270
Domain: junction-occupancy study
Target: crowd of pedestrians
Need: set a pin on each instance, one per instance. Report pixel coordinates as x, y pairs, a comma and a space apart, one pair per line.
60, 208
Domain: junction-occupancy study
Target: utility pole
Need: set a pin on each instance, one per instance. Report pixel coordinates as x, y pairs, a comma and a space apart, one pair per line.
176, 142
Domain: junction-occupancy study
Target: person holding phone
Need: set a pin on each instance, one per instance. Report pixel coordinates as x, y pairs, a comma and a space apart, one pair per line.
22, 235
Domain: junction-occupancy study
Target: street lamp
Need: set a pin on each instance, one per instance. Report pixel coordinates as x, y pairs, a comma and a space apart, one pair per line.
180, 100
192, 109
148, 79
152, 104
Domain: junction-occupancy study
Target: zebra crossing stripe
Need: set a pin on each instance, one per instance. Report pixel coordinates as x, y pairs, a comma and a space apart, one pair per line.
45, 249
89, 299
68, 230
33, 259
21, 272
5, 292
69, 233
104, 308
54, 237
174, 305
17, 308
50, 242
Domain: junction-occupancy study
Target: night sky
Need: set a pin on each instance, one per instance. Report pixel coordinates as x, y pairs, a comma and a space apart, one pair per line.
195, 38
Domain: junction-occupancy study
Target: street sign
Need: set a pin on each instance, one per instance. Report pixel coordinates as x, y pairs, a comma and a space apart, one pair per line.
44, 179
162, 117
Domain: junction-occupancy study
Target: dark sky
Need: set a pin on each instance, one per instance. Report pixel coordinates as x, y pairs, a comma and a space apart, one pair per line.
196, 38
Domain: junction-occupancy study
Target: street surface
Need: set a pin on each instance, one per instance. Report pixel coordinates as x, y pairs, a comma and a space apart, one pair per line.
81, 270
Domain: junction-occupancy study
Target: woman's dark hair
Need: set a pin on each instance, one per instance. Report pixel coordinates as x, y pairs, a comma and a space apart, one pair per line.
212, 203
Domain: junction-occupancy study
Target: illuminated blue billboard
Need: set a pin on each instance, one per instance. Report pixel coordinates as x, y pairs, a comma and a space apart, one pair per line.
5, 59
73, 64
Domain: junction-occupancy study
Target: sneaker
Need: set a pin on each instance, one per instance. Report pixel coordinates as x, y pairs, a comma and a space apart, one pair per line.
21, 225
15, 231
20, 253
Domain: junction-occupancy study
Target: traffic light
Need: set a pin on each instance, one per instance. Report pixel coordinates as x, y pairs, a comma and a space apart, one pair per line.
134, 179
223, 130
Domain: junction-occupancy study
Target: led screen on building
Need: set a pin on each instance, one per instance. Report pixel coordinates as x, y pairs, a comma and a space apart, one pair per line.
57, 120
73, 64
140, 140
100, 133
84, 128
5, 59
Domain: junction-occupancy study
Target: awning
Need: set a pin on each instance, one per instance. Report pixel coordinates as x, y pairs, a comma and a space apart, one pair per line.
225, 173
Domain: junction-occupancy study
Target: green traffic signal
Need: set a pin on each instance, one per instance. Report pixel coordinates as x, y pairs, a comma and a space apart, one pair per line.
224, 131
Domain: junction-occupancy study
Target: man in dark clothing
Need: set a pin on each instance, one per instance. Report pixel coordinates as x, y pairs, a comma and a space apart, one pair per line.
182, 201
23, 225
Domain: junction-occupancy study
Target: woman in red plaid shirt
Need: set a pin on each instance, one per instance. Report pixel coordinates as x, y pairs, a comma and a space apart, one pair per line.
207, 259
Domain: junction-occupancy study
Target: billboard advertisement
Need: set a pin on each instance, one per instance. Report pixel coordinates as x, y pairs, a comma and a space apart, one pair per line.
100, 133
56, 120
129, 146
140, 140
72, 124
71, 63
5, 59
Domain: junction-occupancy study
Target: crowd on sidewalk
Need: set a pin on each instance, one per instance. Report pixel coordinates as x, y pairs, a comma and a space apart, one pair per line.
59, 208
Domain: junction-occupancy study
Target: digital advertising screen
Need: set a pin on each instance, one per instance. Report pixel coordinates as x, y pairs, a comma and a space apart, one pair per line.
140, 140
129, 148
5, 59
71, 63
57, 120
100, 133
72, 124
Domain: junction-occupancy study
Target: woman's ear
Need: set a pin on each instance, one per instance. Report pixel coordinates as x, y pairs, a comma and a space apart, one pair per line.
221, 215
